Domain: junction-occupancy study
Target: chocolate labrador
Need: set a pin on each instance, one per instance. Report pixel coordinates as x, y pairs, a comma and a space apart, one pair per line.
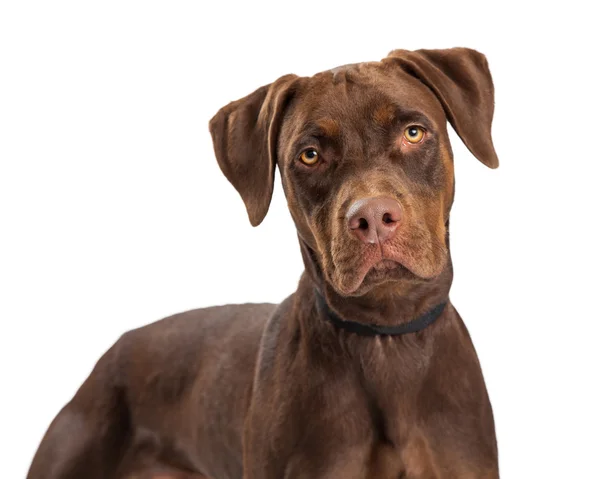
367, 370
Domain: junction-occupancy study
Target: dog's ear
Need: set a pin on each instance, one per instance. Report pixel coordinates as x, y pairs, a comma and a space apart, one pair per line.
244, 135
461, 80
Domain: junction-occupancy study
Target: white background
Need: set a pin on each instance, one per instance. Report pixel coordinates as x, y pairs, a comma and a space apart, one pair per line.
113, 212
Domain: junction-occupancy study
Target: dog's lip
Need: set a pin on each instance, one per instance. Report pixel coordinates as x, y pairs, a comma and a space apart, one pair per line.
378, 269
385, 264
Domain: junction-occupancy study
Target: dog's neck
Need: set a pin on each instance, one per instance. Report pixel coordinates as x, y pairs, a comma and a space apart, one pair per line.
392, 304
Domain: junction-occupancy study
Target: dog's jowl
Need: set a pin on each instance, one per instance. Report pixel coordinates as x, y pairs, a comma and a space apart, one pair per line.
366, 370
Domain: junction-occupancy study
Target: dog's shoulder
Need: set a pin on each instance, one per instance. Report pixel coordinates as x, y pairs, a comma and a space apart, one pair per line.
184, 341
199, 325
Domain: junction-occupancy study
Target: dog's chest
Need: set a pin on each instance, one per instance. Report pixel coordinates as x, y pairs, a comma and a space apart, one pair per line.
368, 418
391, 383
414, 429
363, 441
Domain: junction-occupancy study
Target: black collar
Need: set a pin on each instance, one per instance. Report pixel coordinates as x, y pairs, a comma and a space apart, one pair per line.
363, 329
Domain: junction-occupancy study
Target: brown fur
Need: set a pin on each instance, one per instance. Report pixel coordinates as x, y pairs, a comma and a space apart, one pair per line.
272, 392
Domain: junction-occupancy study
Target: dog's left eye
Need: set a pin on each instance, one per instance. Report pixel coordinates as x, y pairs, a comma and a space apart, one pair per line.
414, 134
309, 157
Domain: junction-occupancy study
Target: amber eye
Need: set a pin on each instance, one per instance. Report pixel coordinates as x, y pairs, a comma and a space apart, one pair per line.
414, 134
309, 157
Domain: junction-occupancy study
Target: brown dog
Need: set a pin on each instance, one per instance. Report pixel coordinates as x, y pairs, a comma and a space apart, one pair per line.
366, 371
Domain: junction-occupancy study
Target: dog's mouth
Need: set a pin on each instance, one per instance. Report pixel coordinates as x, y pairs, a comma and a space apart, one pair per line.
416, 253
356, 274
386, 270
386, 265
372, 271
383, 270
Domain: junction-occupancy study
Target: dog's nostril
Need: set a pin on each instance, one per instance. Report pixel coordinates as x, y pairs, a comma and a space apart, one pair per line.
374, 219
387, 218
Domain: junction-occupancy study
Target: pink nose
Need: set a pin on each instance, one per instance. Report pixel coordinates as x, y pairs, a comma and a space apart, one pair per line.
374, 220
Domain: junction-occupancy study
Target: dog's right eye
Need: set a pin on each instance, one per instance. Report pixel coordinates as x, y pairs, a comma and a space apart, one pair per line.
309, 157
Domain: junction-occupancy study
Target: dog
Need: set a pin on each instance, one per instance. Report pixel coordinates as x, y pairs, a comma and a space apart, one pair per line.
367, 370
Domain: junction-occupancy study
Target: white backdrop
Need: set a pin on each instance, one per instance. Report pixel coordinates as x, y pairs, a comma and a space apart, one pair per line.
111, 199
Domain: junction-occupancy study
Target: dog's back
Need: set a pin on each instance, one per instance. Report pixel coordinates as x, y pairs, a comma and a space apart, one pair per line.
153, 392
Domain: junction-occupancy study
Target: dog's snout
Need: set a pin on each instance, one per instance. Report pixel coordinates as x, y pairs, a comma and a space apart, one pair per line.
374, 220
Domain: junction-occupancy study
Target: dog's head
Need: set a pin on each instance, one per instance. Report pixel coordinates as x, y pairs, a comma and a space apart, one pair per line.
364, 157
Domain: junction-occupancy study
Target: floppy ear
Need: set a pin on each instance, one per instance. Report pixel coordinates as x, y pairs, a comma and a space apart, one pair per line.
461, 80
244, 135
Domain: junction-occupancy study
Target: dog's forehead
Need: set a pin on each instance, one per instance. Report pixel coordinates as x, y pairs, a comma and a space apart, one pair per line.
350, 71
366, 90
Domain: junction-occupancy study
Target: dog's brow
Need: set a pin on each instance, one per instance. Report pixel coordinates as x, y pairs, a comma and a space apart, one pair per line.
323, 128
329, 127
385, 115
390, 115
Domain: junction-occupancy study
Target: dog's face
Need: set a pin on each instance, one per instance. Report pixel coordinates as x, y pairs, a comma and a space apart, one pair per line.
365, 159
366, 167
